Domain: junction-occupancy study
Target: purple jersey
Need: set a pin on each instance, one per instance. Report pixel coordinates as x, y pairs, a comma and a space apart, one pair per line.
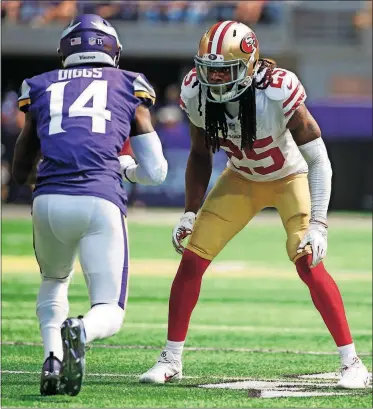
83, 116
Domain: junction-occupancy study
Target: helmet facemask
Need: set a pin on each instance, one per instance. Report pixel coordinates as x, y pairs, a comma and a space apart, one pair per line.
241, 76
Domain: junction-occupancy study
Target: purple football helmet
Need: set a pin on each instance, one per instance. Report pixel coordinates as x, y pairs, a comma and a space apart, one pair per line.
89, 39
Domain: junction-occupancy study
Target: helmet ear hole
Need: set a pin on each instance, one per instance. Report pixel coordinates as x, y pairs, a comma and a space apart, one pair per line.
117, 58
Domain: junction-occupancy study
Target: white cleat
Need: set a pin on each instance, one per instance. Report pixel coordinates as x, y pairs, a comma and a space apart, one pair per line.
167, 369
354, 376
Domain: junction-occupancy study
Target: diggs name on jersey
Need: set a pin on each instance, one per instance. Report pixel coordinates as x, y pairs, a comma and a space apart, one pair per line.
79, 72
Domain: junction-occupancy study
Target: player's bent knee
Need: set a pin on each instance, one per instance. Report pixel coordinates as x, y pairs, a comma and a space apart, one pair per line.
56, 273
210, 235
293, 242
294, 256
200, 251
114, 313
118, 320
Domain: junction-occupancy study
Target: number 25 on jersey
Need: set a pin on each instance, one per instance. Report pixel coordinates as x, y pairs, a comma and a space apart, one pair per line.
96, 90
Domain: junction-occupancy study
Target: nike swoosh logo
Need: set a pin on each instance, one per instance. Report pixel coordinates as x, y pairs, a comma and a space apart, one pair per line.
68, 30
167, 378
291, 84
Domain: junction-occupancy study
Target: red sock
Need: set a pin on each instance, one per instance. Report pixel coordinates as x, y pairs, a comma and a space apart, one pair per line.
326, 298
184, 294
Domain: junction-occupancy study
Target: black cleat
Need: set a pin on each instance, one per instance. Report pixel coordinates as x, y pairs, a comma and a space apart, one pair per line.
50, 376
73, 364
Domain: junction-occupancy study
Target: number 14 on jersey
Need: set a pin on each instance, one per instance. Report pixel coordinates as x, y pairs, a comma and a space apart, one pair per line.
96, 90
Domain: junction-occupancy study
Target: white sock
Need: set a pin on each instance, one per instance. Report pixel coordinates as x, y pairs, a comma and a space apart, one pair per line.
103, 321
347, 353
52, 308
175, 347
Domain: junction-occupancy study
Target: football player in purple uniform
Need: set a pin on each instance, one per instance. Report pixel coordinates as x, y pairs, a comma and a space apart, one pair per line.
77, 119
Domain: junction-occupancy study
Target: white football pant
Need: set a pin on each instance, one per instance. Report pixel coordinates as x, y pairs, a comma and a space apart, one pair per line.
96, 229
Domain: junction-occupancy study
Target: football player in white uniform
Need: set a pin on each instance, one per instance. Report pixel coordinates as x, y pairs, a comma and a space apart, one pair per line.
277, 158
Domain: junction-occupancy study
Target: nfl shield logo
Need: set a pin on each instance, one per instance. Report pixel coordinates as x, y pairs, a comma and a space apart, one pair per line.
92, 41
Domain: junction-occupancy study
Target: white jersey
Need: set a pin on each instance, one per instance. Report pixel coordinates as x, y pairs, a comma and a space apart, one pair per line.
275, 154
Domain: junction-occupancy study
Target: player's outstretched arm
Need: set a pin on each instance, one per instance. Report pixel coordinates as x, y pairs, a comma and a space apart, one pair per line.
26, 153
197, 177
198, 170
307, 136
152, 166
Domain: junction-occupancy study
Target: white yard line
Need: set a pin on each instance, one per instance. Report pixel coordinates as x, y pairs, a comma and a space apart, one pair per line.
212, 328
116, 375
134, 375
250, 350
268, 382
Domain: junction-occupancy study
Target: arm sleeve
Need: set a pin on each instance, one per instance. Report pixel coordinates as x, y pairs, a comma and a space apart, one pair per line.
319, 178
152, 166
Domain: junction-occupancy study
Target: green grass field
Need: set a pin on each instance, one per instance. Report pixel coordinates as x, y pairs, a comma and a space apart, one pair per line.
254, 322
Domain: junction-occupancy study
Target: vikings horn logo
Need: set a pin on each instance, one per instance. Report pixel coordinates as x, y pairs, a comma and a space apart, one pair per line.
249, 43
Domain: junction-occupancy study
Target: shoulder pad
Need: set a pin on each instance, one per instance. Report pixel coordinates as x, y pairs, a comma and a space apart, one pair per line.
143, 90
282, 85
189, 98
24, 100
189, 86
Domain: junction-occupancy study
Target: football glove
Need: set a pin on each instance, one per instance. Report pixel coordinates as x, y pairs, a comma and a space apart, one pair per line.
126, 161
316, 237
182, 230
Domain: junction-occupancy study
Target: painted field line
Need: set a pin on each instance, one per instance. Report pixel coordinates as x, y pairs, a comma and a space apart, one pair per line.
222, 378
212, 328
87, 374
253, 350
134, 375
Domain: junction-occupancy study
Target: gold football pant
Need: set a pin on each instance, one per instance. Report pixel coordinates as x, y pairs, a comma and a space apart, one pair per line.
235, 200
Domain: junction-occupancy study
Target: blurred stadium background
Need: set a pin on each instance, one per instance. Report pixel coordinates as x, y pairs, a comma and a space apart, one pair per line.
327, 44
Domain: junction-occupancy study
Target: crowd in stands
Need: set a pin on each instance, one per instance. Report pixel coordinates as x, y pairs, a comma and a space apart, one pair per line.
36, 13
363, 18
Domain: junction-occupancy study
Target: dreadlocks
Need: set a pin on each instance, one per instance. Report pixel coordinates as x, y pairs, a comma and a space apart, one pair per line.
215, 113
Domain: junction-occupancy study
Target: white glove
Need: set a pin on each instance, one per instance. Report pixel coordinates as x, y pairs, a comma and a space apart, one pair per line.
316, 236
182, 230
126, 161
